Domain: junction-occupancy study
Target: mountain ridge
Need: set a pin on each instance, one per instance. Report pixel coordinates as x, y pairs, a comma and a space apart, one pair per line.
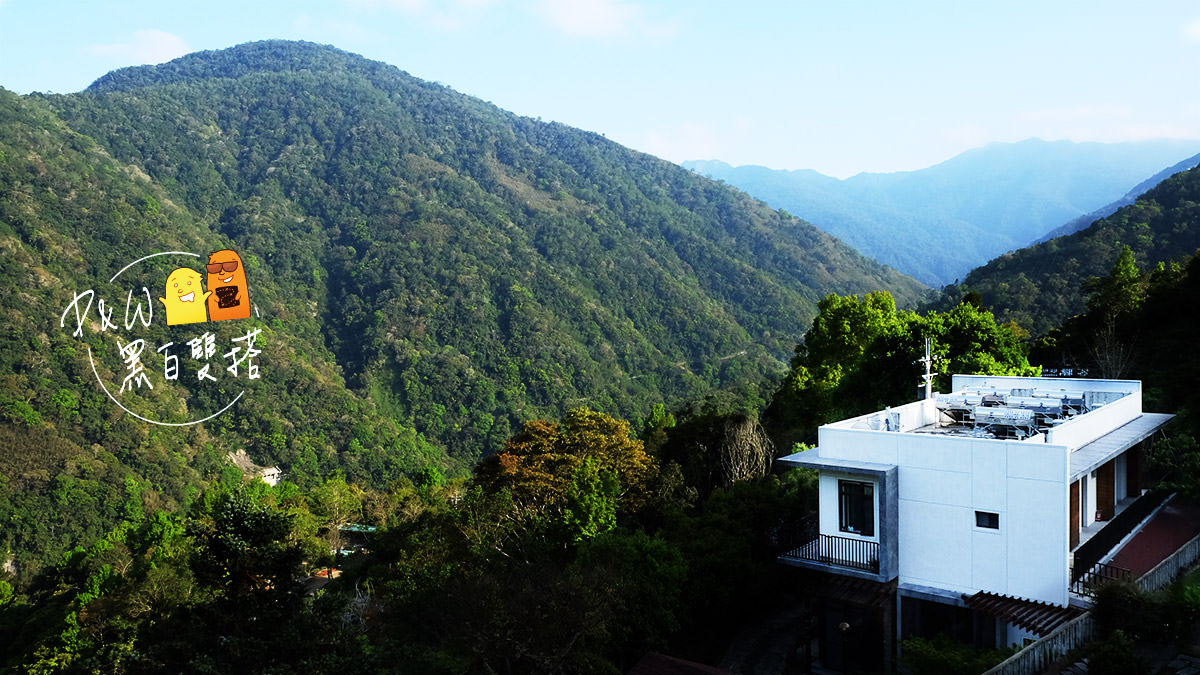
939, 222
1130, 197
1041, 286
469, 268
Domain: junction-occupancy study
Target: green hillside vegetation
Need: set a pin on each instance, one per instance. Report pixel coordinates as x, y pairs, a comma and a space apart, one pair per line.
543, 367
429, 272
1130, 197
469, 268
1041, 286
861, 355
73, 463
1137, 325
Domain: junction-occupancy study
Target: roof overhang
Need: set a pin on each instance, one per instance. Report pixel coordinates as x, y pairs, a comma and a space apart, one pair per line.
812, 459
1100, 451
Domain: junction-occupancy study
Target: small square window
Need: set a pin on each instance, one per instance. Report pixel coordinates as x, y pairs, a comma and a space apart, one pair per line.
987, 519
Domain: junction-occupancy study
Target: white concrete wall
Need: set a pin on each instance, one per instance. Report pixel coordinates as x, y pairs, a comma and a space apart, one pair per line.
942, 481
912, 416
943, 485
1084, 429
1090, 503
1003, 382
1012, 634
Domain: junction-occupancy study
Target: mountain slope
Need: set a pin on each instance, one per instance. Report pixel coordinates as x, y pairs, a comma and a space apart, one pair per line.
73, 463
1041, 286
1129, 198
469, 268
939, 222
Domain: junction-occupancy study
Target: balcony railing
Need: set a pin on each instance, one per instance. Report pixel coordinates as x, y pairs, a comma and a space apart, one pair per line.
1093, 550
801, 541
1097, 575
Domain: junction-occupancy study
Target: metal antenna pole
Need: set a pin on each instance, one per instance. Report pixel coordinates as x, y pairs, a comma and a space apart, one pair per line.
928, 361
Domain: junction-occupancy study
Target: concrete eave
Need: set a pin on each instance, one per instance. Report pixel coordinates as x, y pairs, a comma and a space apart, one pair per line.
1100, 451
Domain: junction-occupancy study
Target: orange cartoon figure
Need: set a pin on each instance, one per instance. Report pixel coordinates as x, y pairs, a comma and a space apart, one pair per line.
184, 299
230, 297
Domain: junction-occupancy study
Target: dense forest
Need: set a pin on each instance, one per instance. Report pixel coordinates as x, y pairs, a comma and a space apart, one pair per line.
517, 264
525, 386
428, 271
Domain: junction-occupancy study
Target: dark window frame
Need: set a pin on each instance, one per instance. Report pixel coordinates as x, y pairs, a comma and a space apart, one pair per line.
987, 520
856, 507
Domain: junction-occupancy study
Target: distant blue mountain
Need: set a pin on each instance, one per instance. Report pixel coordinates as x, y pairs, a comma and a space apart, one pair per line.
938, 223
1130, 197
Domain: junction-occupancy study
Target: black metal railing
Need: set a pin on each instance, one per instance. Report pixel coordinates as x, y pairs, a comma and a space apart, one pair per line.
1097, 575
829, 549
794, 533
1091, 551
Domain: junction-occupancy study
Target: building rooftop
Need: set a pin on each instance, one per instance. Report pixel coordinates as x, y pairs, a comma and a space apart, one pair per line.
1094, 420
1002, 407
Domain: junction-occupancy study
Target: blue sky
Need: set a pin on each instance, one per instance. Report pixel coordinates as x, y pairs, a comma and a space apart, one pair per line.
840, 87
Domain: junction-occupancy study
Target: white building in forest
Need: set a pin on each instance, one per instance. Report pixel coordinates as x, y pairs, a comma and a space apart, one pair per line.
968, 512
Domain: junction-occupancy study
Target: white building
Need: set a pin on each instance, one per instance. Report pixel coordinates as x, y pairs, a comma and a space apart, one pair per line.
967, 511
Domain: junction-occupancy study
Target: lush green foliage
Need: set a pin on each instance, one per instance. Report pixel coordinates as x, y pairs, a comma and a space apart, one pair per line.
73, 464
430, 272
433, 274
1138, 326
943, 656
469, 268
862, 354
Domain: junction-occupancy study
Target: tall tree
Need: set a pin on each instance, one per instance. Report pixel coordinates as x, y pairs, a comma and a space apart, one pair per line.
861, 354
539, 463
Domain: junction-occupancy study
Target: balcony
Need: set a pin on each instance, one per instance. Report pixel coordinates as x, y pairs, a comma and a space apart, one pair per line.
802, 545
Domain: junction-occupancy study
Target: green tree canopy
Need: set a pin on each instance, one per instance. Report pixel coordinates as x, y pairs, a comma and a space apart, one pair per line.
862, 354
538, 464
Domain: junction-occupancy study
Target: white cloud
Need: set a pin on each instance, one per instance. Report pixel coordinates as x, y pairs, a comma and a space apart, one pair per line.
1192, 30
147, 47
602, 18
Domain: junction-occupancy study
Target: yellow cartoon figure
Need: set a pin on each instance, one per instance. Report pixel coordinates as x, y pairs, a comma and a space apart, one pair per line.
186, 298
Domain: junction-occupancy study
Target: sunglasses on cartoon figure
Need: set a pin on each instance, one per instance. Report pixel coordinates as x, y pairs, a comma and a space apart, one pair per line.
217, 268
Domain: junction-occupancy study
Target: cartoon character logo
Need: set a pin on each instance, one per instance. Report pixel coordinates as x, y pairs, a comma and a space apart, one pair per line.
185, 298
227, 281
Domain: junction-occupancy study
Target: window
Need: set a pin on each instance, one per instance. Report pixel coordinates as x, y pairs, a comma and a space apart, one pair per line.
988, 520
856, 507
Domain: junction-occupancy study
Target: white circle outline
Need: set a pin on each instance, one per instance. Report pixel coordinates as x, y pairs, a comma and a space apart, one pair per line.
147, 419
113, 398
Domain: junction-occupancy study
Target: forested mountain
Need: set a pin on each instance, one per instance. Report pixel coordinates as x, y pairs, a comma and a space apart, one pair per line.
427, 270
73, 463
436, 286
1130, 197
1041, 286
938, 223
475, 268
